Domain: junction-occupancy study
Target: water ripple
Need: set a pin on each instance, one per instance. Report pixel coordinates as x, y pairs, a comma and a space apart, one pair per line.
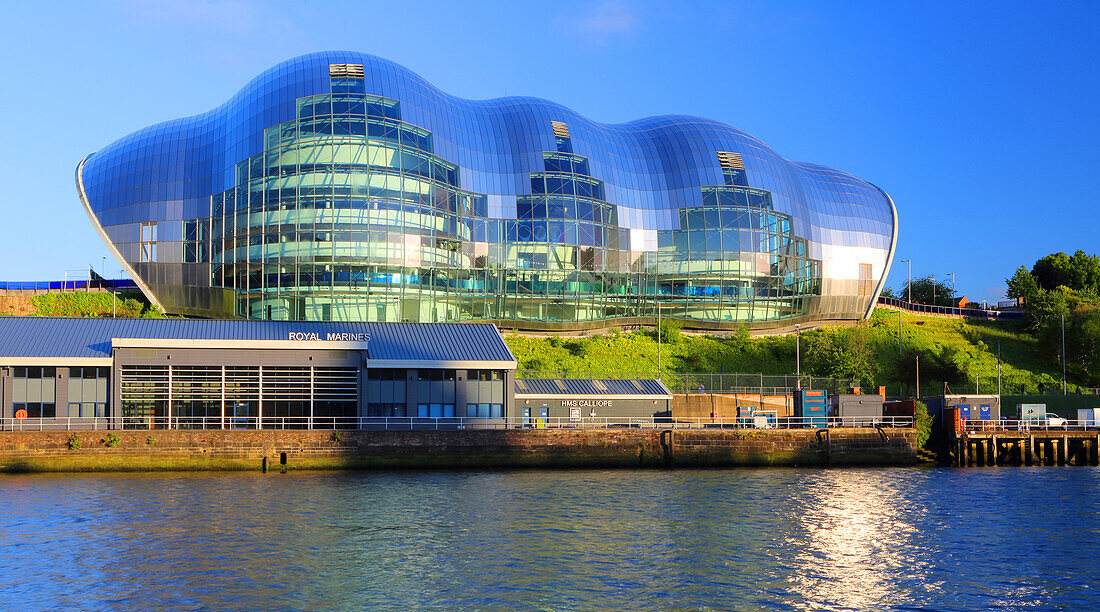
776, 539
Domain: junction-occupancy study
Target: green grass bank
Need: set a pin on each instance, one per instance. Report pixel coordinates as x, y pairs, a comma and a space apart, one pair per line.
954, 351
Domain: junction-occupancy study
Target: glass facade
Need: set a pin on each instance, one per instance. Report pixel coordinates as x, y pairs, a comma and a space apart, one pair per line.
340, 186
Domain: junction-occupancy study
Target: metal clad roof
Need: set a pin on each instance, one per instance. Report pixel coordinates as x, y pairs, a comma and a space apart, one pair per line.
586, 386
91, 337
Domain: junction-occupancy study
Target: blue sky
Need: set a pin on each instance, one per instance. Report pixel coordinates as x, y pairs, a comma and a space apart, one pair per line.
979, 118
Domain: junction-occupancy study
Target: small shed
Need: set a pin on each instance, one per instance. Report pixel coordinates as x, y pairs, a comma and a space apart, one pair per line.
577, 398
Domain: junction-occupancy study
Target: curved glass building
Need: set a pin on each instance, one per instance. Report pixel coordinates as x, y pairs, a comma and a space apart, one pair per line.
340, 186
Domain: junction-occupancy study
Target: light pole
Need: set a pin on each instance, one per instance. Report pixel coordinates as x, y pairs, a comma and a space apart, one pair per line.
998, 368
952, 275
933, 277
658, 339
797, 357
909, 281
1063, 354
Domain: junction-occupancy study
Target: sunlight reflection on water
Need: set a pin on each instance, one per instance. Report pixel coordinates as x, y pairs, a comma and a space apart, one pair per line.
840, 539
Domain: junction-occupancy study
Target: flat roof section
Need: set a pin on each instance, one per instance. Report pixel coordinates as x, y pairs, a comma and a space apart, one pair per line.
23, 338
527, 388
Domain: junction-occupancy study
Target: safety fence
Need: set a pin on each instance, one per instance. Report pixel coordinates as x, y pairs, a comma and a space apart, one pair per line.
1058, 424
759, 421
948, 310
67, 285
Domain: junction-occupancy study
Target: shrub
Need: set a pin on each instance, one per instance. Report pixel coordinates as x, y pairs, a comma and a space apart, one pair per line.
670, 331
150, 440
93, 304
922, 421
74, 442
111, 440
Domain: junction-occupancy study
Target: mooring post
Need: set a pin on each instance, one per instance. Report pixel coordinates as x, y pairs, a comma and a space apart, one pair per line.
666, 447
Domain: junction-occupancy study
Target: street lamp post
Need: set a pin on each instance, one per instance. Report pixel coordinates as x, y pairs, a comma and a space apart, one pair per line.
797, 357
952, 275
899, 332
933, 277
658, 339
1063, 354
909, 281
998, 368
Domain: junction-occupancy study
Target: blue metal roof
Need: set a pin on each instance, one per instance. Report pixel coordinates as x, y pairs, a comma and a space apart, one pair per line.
91, 337
589, 386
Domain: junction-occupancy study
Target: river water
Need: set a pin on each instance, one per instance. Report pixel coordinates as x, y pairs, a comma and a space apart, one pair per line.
745, 539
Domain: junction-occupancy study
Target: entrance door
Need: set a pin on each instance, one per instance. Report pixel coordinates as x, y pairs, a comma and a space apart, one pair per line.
241, 416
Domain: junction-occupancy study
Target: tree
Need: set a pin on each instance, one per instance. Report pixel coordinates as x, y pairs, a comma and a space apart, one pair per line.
1022, 285
1085, 272
840, 354
928, 291
1052, 271
1058, 286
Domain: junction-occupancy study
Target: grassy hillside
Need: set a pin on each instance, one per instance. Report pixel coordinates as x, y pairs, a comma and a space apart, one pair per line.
79, 304
949, 350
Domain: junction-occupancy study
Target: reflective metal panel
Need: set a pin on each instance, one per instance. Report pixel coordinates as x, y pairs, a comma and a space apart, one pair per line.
340, 186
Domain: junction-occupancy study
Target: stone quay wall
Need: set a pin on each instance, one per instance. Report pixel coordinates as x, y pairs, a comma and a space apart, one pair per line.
152, 450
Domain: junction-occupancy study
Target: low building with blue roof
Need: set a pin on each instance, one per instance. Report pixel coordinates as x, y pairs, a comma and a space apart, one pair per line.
185, 373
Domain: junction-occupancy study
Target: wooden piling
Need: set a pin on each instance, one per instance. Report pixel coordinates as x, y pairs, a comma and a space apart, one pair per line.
993, 447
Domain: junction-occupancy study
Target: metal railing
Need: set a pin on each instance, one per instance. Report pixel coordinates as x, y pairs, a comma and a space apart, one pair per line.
1030, 425
949, 310
759, 421
68, 285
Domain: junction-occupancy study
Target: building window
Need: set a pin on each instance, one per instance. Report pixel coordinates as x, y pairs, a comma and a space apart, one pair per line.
486, 375
485, 411
865, 279
33, 392
435, 411
148, 242
88, 391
